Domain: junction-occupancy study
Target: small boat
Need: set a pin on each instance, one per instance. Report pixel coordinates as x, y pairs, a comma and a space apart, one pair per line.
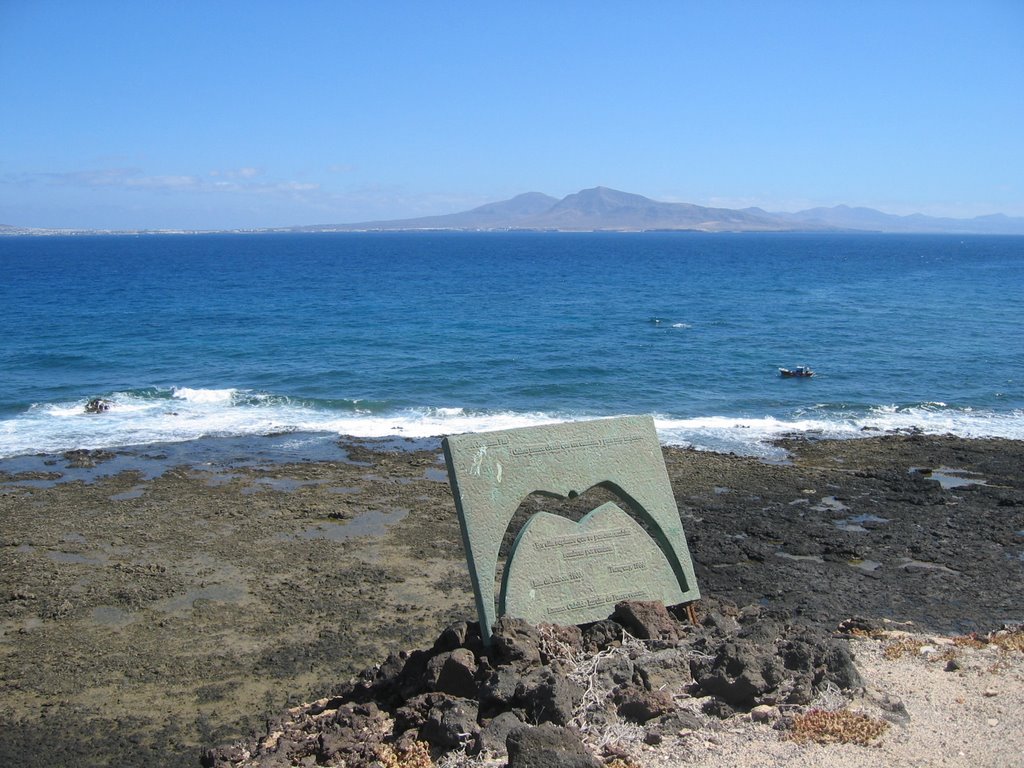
97, 405
800, 372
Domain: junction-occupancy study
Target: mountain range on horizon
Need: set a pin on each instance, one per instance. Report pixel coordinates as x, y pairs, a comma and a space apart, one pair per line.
605, 209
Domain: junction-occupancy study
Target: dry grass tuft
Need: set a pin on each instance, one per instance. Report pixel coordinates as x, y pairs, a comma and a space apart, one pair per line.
1011, 639
830, 697
416, 756
969, 641
866, 634
836, 727
1006, 639
594, 718
913, 646
899, 648
457, 759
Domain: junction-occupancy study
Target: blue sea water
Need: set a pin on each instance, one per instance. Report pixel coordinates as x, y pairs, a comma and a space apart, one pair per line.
420, 334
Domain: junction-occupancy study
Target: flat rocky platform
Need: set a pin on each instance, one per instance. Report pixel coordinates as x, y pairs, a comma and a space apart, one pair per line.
142, 619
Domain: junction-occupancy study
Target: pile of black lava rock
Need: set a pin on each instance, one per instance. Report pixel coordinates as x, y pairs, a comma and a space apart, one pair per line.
537, 695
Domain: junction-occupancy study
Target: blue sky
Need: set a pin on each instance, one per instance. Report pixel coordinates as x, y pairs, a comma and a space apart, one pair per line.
241, 114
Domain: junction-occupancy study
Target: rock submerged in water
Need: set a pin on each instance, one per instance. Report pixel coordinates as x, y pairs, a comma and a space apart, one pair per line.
522, 697
84, 458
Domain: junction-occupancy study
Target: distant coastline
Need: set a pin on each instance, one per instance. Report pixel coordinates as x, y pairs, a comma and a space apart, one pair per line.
601, 209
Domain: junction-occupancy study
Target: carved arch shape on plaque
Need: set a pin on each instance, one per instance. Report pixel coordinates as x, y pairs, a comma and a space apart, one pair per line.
558, 565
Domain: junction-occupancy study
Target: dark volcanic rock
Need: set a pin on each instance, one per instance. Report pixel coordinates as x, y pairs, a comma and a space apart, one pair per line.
547, 746
852, 527
663, 670
548, 696
601, 634
647, 620
496, 731
614, 670
498, 691
457, 699
461, 634
638, 705
745, 671
739, 673
812, 661
451, 723
515, 640
329, 731
453, 673
82, 458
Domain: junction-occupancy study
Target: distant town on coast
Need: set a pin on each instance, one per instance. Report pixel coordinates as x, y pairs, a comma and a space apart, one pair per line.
601, 209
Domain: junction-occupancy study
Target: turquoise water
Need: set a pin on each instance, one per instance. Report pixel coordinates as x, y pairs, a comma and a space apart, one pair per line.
417, 334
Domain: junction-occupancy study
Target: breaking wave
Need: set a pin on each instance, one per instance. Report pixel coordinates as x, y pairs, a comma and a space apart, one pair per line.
180, 414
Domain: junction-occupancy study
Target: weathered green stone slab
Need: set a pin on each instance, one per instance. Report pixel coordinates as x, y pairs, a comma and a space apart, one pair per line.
559, 570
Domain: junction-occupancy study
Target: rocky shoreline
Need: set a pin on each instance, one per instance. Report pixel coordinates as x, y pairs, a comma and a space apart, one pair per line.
149, 615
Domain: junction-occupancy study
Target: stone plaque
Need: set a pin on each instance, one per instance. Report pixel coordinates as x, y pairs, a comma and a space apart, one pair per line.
558, 570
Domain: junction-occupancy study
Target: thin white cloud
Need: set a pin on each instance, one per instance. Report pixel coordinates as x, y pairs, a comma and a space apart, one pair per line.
239, 180
164, 182
237, 173
296, 186
126, 178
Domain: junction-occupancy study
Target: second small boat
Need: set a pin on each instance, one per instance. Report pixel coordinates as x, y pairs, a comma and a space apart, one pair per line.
800, 372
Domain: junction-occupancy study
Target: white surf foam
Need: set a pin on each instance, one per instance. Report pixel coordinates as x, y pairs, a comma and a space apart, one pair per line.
936, 418
204, 396
746, 436
186, 414
753, 436
432, 422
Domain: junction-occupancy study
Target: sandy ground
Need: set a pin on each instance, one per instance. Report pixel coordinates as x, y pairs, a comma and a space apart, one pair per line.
973, 716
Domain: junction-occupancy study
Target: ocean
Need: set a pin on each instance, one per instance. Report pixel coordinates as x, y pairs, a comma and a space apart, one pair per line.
423, 334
